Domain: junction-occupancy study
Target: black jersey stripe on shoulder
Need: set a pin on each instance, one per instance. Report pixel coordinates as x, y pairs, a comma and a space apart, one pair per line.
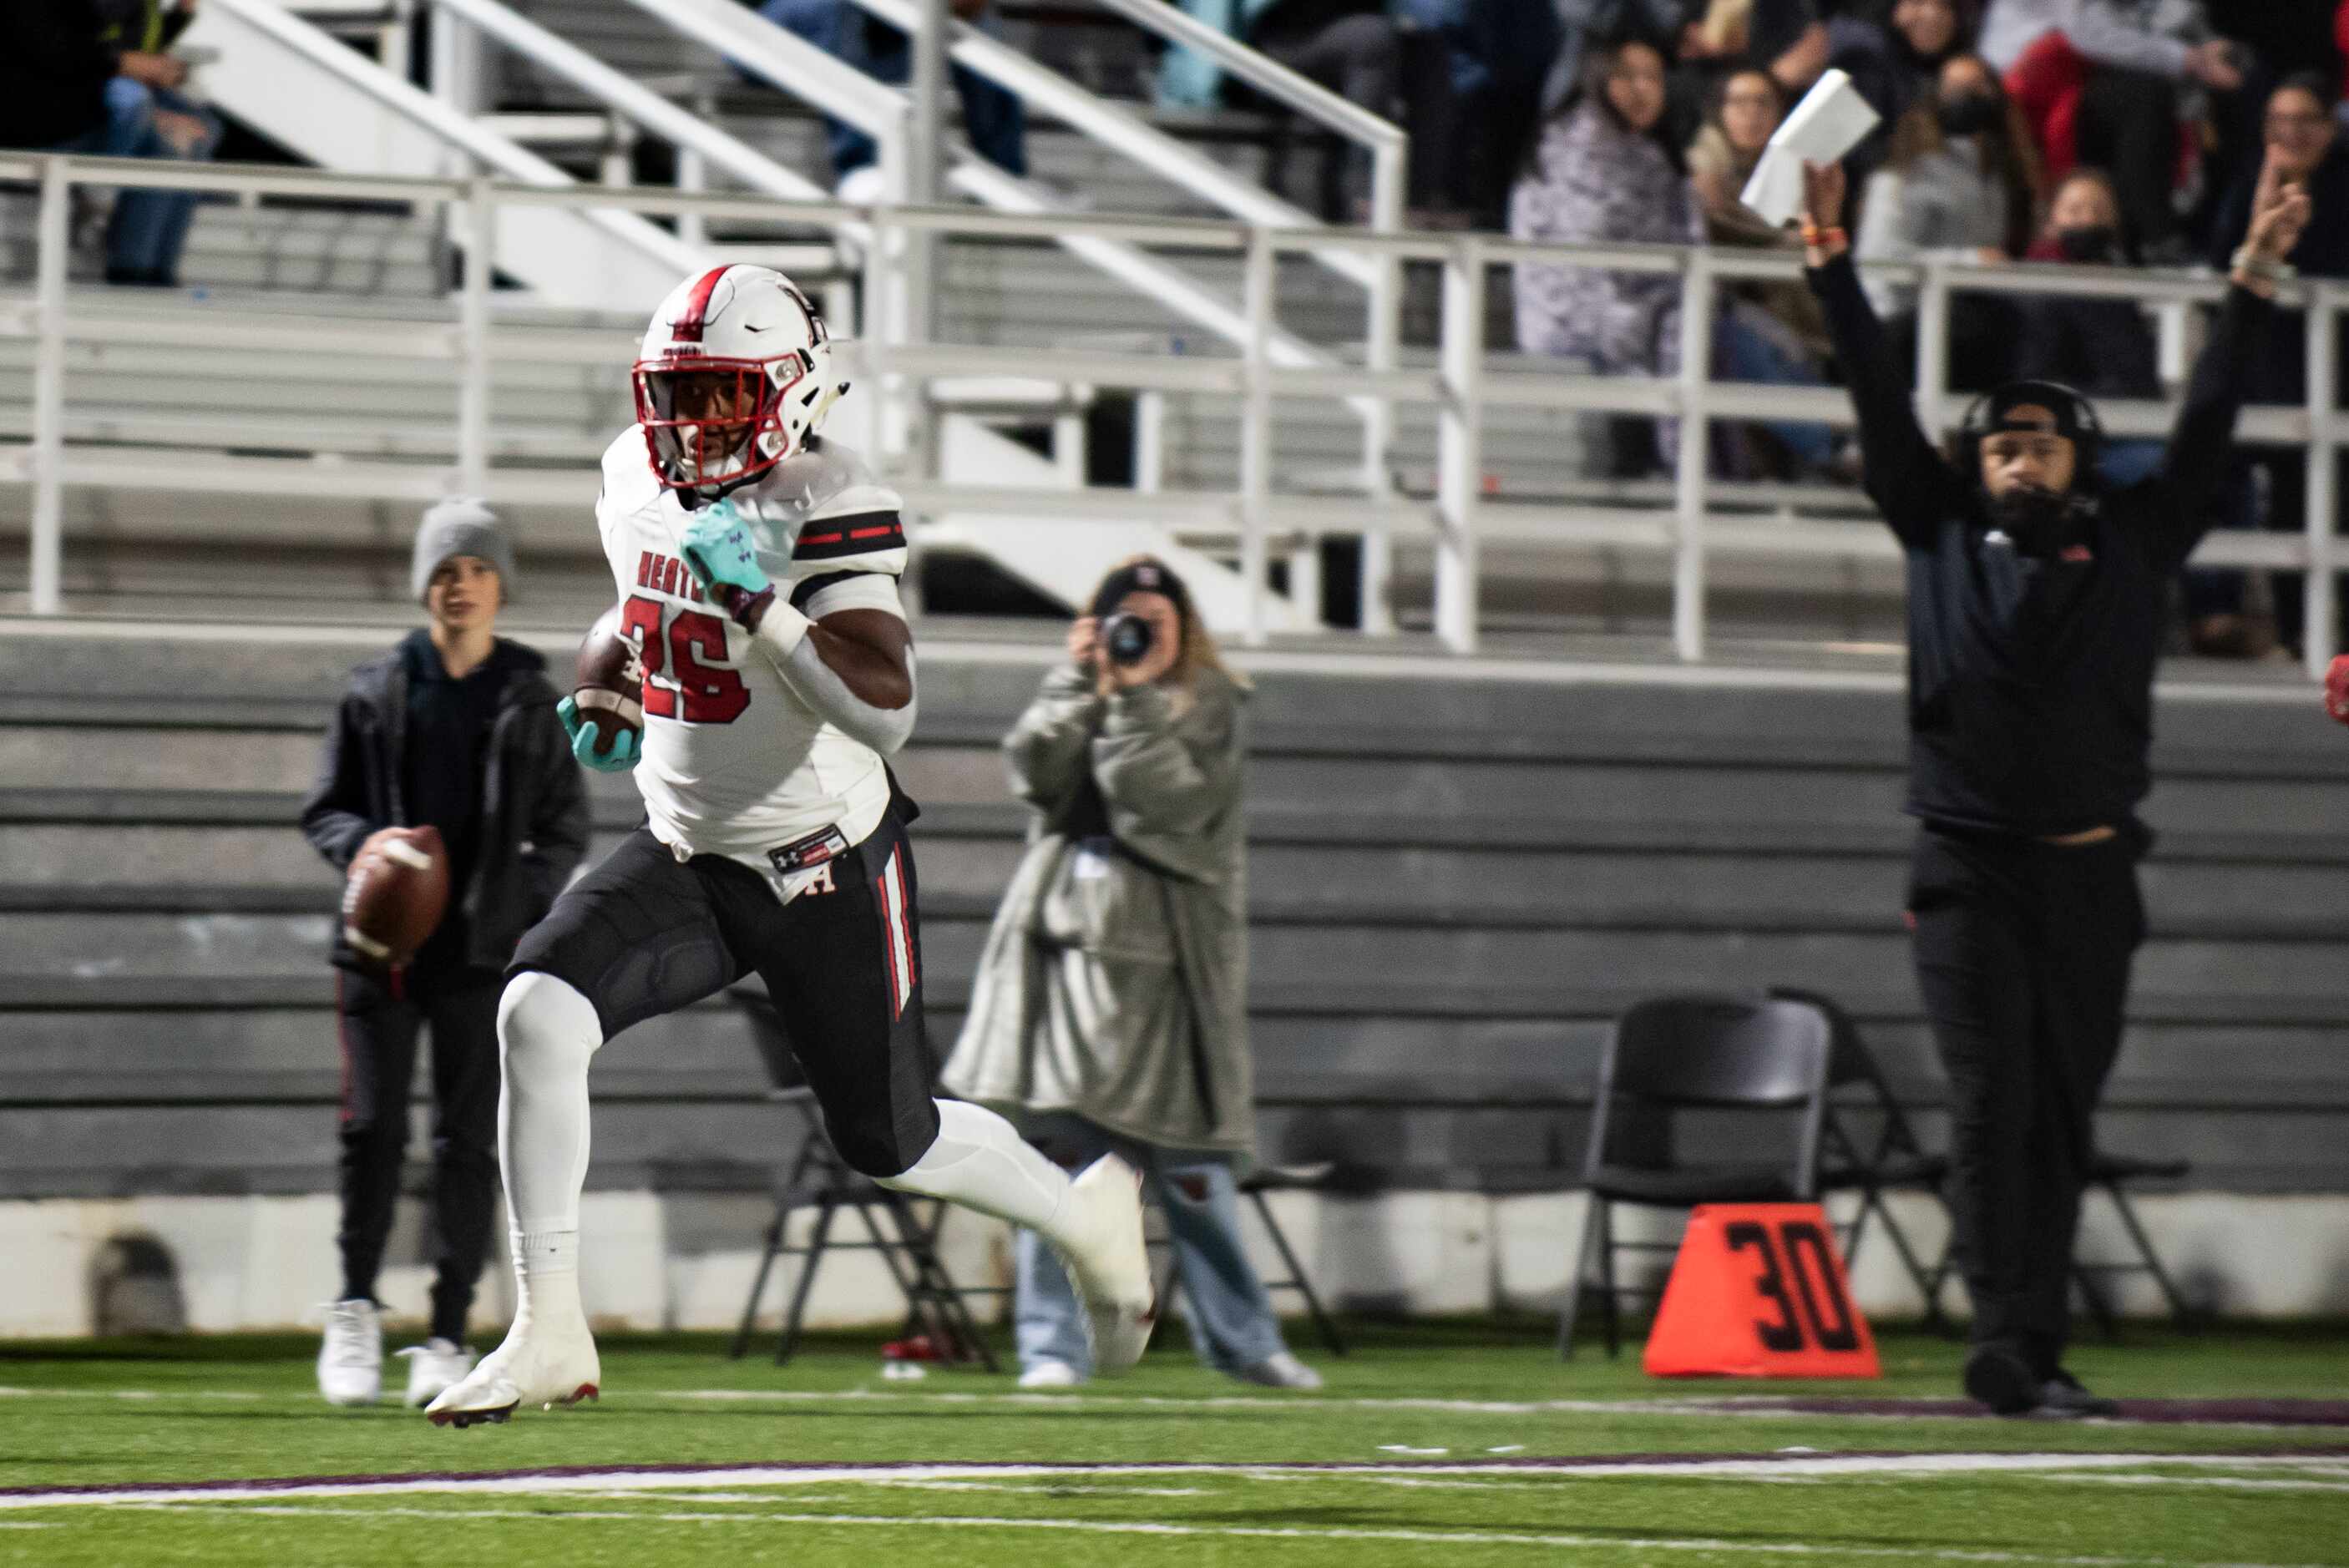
816, 585
864, 534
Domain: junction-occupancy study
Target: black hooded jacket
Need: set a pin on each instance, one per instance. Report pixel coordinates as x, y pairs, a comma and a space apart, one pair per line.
532, 821
2030, 678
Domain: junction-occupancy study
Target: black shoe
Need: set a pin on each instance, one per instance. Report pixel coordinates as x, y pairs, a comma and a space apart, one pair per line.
1996, 1376
2063, 1397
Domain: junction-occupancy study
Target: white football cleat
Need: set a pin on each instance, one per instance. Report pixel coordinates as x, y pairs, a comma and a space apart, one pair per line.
545, 1365
433, 1366
1101, 1248
1281, 1370
350, 1359
1051, 1374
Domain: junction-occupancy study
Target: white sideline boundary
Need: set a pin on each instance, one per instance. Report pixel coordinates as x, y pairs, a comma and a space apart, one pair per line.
1040, 656
690, 1478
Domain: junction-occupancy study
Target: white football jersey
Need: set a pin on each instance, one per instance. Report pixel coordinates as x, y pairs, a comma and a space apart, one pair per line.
734, 763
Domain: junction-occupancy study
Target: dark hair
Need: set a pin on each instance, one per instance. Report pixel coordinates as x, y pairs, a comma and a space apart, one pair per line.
1598, 66
2088, 174
1717, 99
2006, 152
2313, 83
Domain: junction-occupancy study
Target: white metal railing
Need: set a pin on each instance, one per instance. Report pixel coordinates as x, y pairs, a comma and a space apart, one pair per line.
751, 40
1251, 519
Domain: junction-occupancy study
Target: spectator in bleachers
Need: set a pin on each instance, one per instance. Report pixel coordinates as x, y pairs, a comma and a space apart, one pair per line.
1894, 63
2309, 149
2106, 82
1959, 181
70, 84
1472, 87
1109, 1010
992, 118
1747, 106
2104, 348
1349, 46
454, 728
1603, 171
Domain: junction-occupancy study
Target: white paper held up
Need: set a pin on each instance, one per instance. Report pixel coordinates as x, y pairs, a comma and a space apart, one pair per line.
1829, 122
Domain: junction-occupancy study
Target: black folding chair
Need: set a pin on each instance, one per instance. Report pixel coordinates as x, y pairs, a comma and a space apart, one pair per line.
1253, 1187
901, 1229
1890, 1158
1690, 1053
2113, 1173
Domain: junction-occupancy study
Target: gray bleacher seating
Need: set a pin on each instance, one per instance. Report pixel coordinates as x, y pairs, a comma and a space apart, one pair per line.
1433, 965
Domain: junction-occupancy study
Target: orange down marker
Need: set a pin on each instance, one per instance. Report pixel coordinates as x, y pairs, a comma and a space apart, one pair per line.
1759, 1291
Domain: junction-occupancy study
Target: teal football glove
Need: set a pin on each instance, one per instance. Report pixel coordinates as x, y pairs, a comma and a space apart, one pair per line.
587, 743
718, 550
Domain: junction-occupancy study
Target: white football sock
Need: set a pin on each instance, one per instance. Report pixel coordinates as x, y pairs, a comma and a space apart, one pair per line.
547, 1034
979, 1163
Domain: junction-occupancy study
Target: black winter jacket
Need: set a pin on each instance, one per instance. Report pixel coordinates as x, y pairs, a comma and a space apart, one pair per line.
533, 801
2031, 679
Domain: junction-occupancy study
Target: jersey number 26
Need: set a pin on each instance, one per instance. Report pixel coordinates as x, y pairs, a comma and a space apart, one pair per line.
710, 693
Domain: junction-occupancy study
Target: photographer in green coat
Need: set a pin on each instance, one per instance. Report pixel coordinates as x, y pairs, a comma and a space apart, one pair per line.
1110, 1012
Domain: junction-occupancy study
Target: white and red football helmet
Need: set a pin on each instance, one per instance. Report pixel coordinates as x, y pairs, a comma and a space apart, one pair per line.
753, 323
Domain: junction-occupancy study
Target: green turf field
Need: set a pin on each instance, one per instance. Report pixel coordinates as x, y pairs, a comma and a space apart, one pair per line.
1443, 1445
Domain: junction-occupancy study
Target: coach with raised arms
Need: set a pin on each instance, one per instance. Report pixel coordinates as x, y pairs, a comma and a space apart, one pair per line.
2037, 599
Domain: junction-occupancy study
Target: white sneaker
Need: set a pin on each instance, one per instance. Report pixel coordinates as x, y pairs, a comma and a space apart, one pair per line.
1281, 1370
432, 1366
350, 1359
1108, 1263
1051, 1374
545, 1365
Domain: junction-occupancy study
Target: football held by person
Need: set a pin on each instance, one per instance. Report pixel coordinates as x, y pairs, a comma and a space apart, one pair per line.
757, 567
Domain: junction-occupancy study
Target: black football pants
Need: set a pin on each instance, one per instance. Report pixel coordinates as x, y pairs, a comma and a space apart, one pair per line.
379, 1027
2023, 952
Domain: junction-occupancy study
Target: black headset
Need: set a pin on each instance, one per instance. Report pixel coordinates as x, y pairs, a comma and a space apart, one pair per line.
2088, 442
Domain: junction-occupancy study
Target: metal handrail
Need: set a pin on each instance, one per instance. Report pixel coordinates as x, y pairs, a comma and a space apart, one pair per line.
1460, 386
489, 149
1281, 83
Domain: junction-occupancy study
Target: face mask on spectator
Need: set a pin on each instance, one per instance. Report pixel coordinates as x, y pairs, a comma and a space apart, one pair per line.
1968, 114
2089, 244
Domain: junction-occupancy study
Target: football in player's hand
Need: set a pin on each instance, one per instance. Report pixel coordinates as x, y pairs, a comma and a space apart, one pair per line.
610, 693
397, 893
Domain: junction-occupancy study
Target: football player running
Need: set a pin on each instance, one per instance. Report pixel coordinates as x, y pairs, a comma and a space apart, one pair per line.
758, 565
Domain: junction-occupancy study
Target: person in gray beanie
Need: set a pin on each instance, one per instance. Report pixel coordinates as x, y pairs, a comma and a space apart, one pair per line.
461, 525
455, 728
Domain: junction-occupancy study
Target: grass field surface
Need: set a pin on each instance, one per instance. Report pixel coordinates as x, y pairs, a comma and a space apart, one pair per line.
1450, 1445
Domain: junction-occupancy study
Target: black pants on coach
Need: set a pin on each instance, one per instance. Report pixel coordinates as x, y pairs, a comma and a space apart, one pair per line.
379, 1026
2023, 952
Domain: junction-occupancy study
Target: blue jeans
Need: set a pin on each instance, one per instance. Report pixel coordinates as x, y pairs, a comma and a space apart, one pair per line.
1231, 1316
150, 228
992, 118
1741, 352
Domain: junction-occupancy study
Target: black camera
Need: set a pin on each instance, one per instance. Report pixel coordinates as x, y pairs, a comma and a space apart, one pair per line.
1126, 639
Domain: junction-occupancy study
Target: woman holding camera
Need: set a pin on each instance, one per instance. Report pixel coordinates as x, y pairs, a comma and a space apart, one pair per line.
1110, 1011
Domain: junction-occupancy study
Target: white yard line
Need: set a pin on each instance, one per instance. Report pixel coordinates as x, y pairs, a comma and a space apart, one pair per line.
689, 1478
1430, 1537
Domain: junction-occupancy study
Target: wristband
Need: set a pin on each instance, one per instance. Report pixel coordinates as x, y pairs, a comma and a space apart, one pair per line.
2268, 269
1818, 239
782, 628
